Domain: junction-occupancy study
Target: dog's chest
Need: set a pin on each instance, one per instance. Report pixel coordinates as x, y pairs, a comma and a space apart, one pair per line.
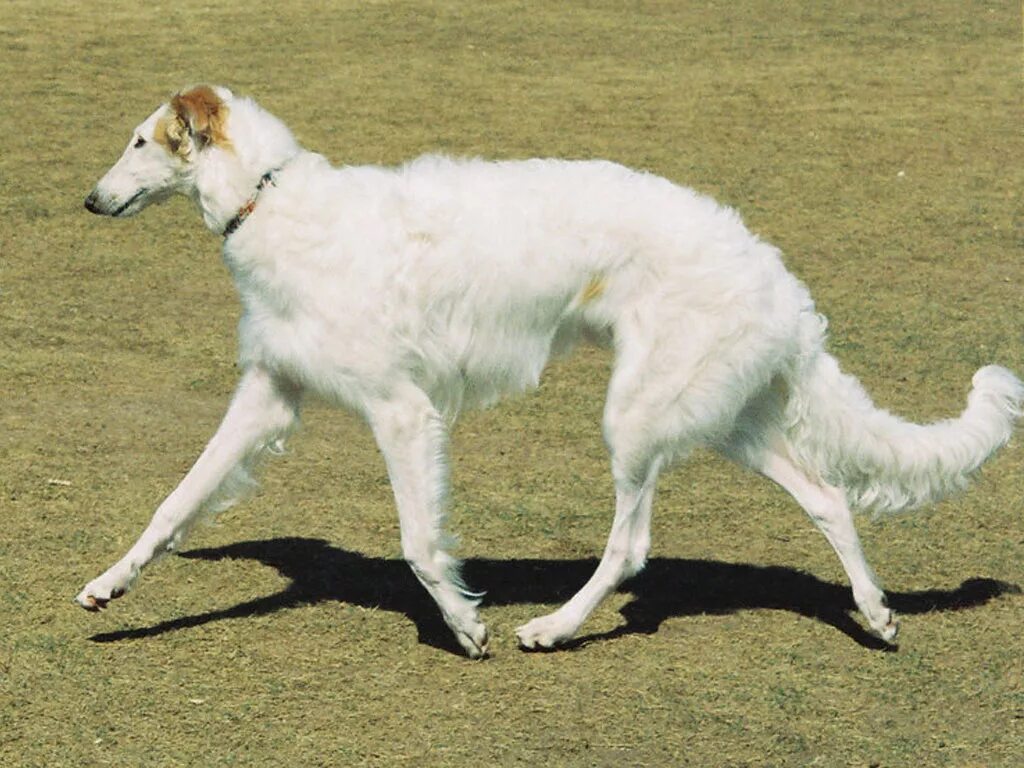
310, 330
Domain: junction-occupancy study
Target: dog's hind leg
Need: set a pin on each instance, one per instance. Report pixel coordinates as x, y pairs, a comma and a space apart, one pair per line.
827, 507
635, 434
412, 436
625, 555
664, 399
262, 411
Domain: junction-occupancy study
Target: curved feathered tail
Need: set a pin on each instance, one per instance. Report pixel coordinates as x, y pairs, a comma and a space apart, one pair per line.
882, 462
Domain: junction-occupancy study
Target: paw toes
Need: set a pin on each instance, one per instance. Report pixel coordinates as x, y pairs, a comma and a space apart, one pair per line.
891, 630
474, 642
888, 628
92, 603
536, 635
526, 641
91, 599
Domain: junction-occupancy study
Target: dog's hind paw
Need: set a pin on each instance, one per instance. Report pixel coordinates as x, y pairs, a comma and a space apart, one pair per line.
881, 618
888, 627
543, 633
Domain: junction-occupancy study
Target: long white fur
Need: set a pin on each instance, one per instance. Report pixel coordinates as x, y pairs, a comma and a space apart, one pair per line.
409, 294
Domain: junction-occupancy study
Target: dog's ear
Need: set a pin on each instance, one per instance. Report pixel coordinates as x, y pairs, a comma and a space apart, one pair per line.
172, 132
199, 120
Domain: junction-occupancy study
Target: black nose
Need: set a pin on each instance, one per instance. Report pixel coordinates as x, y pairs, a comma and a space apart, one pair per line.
90, 203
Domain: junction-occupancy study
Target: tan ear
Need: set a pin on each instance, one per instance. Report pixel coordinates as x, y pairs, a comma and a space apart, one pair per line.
203, 114
172, 132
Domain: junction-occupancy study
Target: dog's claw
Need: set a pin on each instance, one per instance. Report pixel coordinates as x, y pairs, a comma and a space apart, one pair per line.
92, 603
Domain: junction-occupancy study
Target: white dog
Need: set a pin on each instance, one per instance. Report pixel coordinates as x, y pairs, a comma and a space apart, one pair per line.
409, 294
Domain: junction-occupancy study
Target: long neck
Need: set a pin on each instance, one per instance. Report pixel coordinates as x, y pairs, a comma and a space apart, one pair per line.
223, 186
226, 176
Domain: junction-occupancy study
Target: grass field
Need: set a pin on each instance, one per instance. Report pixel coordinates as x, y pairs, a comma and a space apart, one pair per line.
878, 144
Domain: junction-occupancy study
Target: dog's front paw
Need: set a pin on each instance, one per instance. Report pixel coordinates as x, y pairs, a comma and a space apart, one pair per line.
99, 592
474, 639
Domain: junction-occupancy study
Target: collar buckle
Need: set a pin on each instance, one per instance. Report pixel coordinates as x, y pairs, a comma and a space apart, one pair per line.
267, 179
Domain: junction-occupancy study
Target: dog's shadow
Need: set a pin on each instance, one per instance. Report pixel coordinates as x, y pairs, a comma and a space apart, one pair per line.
668, 587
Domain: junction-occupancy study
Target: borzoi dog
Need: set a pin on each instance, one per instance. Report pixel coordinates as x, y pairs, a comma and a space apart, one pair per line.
409, 294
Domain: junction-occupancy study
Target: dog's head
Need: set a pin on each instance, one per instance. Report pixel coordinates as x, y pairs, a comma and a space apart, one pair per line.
161, 155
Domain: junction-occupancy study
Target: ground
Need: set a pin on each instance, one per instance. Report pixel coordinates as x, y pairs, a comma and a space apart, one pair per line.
878, 144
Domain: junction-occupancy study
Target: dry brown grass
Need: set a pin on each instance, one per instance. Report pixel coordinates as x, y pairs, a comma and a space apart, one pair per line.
877, 143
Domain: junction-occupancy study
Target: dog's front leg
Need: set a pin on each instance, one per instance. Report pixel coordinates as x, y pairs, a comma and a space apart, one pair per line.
261, 412
413, 439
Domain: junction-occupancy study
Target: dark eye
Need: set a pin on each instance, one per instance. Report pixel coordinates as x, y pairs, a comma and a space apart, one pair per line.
139, 142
